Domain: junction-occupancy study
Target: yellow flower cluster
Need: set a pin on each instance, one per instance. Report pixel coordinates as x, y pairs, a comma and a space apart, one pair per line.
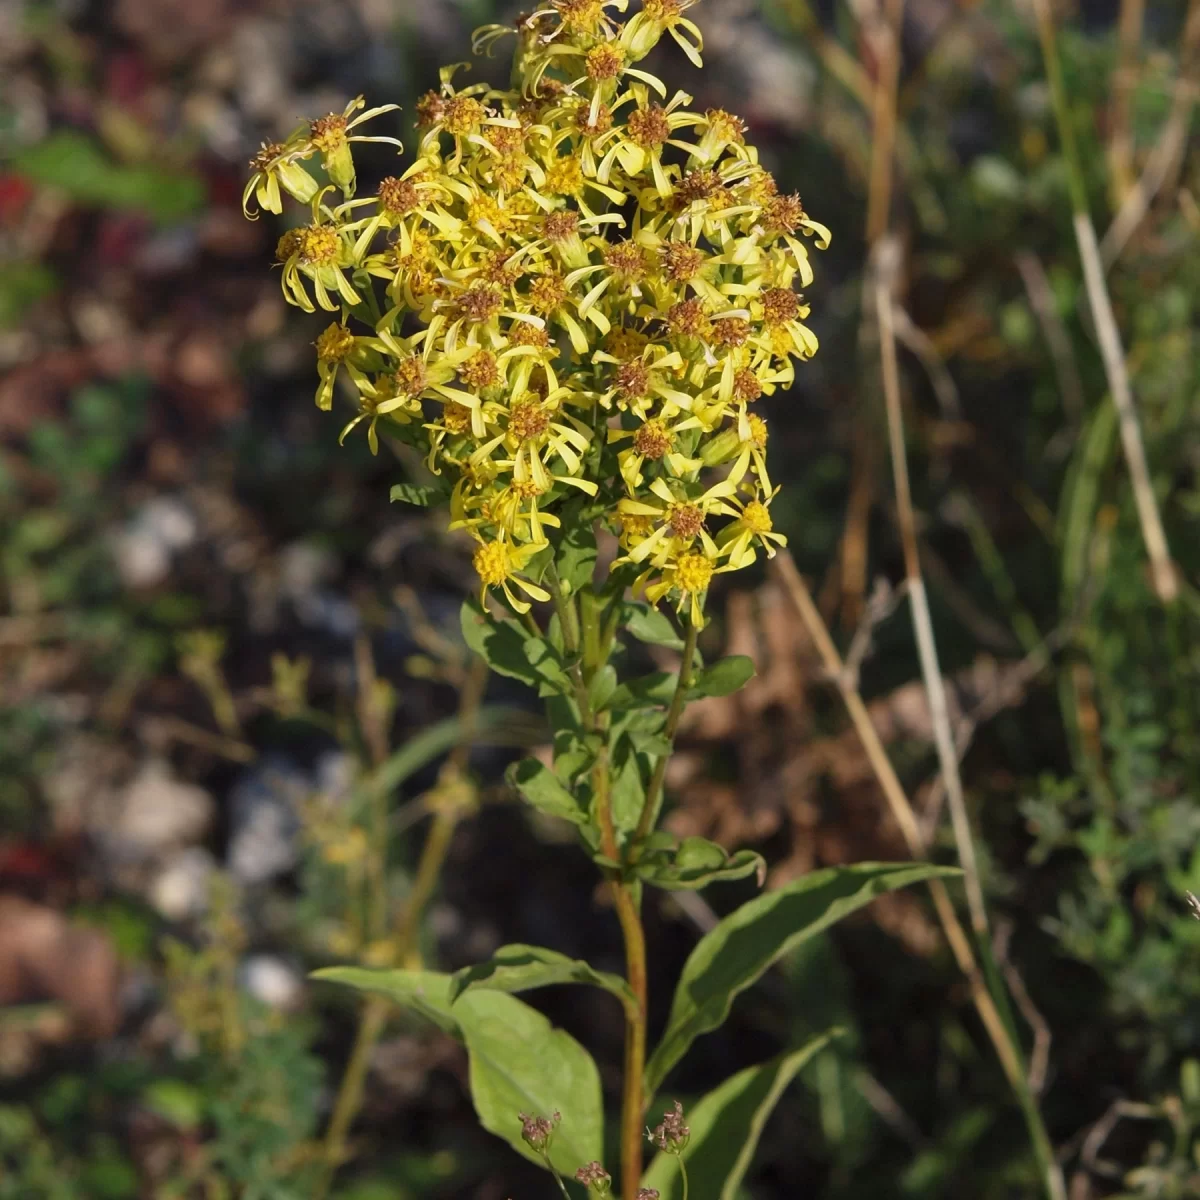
586, 288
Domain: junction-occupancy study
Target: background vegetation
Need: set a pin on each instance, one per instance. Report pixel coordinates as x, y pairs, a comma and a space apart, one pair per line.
229, 669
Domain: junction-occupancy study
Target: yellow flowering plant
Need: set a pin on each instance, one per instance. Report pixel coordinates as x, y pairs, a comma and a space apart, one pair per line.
570, 302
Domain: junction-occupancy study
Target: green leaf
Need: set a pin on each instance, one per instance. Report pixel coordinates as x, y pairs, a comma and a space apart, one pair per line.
601, 688
545, 661
422, 494
520, 1063
76, 165
724, 677
576, 557
729, 958
509, 650
518, 968
696, 863
656, 688
726, 1126
649, 625
424, 992
627, 788
541, 788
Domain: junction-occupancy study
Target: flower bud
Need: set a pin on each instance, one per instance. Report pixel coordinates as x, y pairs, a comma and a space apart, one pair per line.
339, 166
538, 1132
595, 1178
672, 1136
722, 448
297, 182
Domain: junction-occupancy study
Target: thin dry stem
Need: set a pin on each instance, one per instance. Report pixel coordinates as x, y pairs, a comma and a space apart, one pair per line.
1163, 161
1165, 582
935, 686
897, 801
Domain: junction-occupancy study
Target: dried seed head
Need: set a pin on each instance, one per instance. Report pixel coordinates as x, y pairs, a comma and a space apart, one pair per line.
686, 520
681, 261
268, 152
649, 127
783, 214
697, 185
653, 439
560, 226
731, 331
688, 318
780, 305
399, 196
430, 108
632, 380
747, 386
602, 123
479, 304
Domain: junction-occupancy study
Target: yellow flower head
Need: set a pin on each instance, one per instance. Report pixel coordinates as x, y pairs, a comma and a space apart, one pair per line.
577, 285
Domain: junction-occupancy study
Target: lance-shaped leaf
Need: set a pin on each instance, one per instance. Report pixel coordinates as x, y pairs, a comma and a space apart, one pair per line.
519, 1063
542, 789
726, 1126
518, 968
724, 677
730, 957
424, 992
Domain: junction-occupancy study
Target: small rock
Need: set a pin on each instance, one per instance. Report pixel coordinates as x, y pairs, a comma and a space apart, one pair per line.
264, 811
272, 982
180, 891
144, 548
158, 813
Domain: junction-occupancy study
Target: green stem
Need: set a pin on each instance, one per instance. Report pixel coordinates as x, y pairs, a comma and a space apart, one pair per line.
653, 802
632, 1107
683, 1176
592, 634
1062, 110
562, 1187
568, 618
